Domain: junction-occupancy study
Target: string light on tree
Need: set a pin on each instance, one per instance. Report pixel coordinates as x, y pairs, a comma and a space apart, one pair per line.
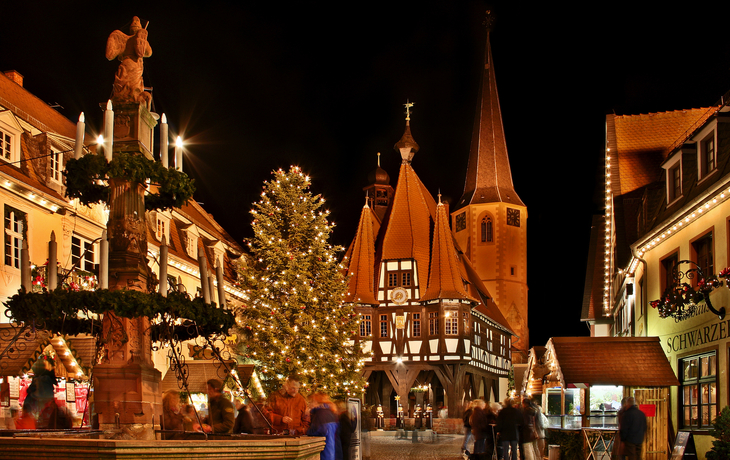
295, 317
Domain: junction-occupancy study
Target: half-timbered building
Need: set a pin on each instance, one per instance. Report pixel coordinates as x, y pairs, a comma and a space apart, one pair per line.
434, 331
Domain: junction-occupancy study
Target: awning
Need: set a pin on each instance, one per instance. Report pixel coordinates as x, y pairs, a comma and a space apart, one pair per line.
627, 361
198, 373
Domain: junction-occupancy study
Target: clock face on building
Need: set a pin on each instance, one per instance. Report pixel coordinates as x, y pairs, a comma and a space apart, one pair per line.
461, 221
399, 296
513, 217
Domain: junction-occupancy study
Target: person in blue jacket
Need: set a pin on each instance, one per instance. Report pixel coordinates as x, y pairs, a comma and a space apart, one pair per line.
324, 421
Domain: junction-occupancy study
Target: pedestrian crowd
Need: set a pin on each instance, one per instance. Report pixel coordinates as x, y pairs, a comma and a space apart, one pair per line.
286, 412
504, 431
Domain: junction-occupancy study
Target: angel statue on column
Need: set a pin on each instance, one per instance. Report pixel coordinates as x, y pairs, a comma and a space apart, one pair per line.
130, 50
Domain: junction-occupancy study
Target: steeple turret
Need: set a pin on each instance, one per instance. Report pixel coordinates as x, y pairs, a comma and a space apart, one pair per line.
362, 262
488, 175
407, 146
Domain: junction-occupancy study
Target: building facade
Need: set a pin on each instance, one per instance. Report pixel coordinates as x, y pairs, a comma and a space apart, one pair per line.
440, 309
658, 253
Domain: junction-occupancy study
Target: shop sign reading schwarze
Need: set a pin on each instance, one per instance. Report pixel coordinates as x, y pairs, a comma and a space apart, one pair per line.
698, 336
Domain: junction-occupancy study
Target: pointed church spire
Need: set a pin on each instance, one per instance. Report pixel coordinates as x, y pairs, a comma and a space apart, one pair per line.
362, 262
488, 175
407, 146
444, 280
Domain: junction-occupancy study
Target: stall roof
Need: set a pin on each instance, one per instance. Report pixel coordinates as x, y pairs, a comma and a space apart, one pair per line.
198, 373
19, 348
628, 361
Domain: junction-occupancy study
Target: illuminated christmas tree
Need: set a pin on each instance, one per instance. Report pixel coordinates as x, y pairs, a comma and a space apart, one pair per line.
295, 321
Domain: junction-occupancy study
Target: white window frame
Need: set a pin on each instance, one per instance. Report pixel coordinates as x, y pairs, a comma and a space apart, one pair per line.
83, 244
671, 165
162, 227
14, 230
56, 165
10, 154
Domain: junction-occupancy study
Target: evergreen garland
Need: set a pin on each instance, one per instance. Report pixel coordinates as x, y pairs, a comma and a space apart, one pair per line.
85, 176
77, 312
295, 321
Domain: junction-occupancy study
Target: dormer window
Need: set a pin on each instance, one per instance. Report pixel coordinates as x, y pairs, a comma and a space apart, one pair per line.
9, 141
56, 166
673, 170
162, 227
708, 155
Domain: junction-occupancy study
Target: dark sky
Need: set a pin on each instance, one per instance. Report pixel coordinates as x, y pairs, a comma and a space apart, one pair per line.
255, 88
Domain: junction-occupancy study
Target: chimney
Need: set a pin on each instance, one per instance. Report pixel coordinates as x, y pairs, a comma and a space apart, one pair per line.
15, 76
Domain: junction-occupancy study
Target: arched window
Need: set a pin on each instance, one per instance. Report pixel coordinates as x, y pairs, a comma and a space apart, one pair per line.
487, 235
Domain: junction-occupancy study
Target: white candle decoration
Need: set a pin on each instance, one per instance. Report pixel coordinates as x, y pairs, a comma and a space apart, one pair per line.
178, 153
104, 261
80, 129
108, 131
163, 266
52, 263
164, 142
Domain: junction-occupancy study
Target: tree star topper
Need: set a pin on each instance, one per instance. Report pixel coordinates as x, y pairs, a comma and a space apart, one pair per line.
130, 50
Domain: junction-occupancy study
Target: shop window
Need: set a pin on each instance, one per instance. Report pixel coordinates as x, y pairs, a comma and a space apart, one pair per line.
15, 233
698, 390
82, 253
366, 326
416, 320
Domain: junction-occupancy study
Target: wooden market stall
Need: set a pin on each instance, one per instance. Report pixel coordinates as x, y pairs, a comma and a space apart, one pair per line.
580, 382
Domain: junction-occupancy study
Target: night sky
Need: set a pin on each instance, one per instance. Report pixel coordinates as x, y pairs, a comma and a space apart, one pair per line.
256, 88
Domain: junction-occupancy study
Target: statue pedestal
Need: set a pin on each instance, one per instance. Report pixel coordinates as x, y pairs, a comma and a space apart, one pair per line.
134, 129
127, 397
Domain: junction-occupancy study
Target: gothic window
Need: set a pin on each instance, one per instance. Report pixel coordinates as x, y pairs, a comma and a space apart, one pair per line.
486, 230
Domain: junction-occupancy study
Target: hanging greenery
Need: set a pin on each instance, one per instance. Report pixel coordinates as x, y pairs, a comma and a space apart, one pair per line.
77, 312
86, 176
679, 299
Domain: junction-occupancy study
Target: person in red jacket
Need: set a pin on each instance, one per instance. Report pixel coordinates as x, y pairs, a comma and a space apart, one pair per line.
288, 409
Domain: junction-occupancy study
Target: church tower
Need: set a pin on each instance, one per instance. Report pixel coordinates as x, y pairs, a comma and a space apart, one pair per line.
490, 219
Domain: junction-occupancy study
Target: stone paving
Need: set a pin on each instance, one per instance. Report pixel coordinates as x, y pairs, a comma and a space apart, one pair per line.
442, 447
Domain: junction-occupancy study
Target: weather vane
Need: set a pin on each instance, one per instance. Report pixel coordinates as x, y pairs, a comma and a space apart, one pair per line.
488, 20
408, 106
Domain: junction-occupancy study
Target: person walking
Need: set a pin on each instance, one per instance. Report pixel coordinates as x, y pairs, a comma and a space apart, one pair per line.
325, 422
468, 437
528, 432
288, 408
220, 417
509, 421
632, 430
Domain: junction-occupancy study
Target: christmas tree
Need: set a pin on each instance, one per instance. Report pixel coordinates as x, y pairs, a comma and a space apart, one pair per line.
295, 321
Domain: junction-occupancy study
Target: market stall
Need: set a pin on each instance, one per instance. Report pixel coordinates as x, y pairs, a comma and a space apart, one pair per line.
580, 382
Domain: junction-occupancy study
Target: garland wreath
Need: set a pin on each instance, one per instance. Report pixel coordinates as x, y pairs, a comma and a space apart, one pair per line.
76, 312
84, 180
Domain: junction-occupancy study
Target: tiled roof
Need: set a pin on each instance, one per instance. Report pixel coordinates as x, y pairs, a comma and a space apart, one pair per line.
488, 175
20, 351
445, 278
408, 231
478, 290
32, 109
362, 262
643, 142
628, 361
